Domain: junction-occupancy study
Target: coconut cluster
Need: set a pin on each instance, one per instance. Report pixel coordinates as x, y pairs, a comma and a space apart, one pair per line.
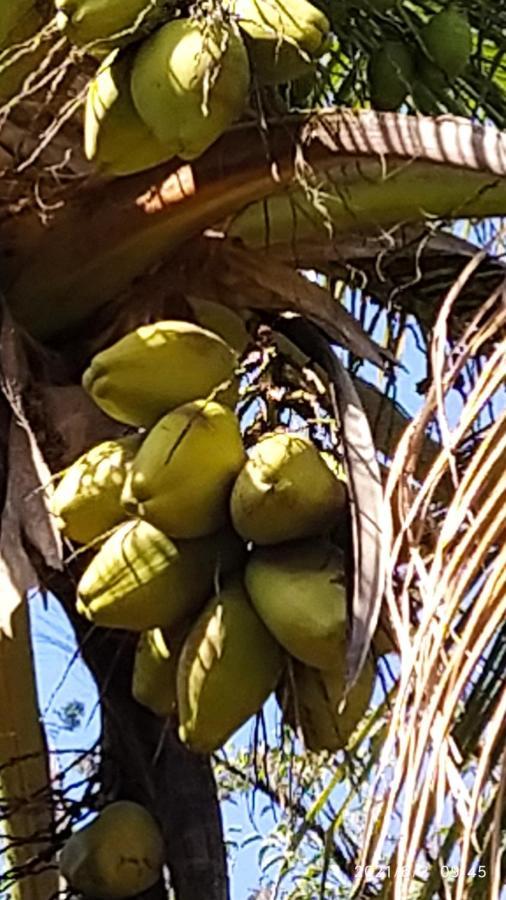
425, 69
169, 86
221, 560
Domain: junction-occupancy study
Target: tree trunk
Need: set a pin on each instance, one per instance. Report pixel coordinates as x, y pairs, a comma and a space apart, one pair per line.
144, 761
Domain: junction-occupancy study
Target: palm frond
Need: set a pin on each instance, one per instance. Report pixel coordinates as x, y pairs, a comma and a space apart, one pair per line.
450, 567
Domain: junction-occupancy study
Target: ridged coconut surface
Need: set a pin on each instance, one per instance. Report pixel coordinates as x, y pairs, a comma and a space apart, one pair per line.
189, 86
140, 579
298, 590
119, 855
156, 368
182, 477
228, 667
285, 491
283, 38
155, 668
108, 23
86, 501
313, 701
115, 137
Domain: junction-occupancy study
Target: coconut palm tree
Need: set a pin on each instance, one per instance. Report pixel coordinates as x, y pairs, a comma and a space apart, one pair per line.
364, 199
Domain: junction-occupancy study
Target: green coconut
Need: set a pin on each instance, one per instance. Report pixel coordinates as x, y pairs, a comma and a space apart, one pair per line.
115, 137
285, 491
20, 50
158, 367
298, 590
11, 15
183, 474
284, 37
312, 699
391, 72
86, 502
221, 320
105, 24
189, 85
228, 666
155, 668
120, 854
448, 41
140, 579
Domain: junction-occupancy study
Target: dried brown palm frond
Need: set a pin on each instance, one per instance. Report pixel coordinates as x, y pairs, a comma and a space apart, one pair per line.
448, 573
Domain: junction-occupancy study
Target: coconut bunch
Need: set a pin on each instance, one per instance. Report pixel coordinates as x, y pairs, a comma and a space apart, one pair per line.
423, 69
221, 560
168, 85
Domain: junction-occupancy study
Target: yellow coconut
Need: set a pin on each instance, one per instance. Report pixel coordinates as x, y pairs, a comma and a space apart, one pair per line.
140, 579
312, 701
298, 590
285, 491
189, 85
228, 666
104, 24
86, 502
155, 668
221, 320
21, 51
182, 477
156, 368
283, 36
121, 854
115, 137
